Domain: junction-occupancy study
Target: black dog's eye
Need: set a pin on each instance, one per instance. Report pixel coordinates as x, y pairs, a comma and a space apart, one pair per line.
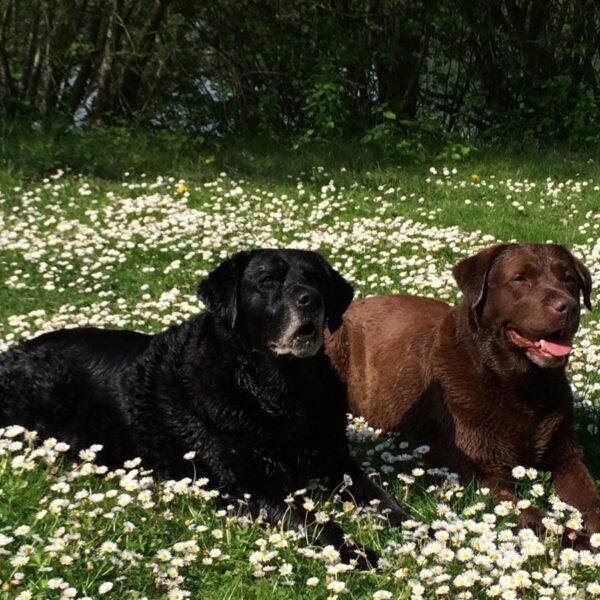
268, 280
569, 279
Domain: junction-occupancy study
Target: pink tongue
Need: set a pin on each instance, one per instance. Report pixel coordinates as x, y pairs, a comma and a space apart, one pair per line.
555, 349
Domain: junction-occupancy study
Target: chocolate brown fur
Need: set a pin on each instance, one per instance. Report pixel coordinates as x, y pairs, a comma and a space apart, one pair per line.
455, 379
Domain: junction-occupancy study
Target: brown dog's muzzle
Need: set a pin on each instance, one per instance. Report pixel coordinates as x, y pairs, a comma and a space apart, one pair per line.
547, 329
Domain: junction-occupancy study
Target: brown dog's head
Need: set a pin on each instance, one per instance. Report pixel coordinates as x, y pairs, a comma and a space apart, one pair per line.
526, 297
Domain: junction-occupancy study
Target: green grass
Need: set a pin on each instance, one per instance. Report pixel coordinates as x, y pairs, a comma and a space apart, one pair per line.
97, 247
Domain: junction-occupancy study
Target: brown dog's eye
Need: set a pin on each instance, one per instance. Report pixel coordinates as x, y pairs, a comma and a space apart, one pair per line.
570, 280
519, 277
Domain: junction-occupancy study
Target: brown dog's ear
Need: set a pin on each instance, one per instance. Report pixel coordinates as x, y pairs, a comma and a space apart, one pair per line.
585, 282
471, 273
219, 291
338, 297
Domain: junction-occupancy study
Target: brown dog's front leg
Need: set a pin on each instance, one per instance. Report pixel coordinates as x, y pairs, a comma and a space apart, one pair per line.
532, 517
503, 491
574, 484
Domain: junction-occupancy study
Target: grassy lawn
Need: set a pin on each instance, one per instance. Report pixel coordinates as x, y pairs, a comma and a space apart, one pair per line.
127, 251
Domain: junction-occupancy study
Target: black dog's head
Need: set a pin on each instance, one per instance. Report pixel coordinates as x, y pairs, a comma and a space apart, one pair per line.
278, 300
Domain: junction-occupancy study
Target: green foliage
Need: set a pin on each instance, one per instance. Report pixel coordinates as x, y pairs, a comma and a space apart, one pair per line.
414, 141
454, 151
105, 151
558, 112
509, 72
324, 107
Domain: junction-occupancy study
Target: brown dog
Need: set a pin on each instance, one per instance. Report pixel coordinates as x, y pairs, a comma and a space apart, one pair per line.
483, 383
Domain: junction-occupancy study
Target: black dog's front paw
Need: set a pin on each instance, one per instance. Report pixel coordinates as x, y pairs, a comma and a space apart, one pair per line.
396, 516
363, 557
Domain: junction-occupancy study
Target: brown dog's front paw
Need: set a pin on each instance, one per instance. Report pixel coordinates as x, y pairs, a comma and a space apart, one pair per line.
533, 518
592, 521
577, 540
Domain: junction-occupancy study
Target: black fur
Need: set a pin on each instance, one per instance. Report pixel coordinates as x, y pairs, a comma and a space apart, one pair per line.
246, 386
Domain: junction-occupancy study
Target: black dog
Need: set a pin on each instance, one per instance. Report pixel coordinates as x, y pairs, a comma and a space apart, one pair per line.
246, 386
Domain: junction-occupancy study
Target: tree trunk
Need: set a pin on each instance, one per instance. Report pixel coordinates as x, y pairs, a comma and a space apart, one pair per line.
102, 104
131, 81
31, 70
84, 73
6, 79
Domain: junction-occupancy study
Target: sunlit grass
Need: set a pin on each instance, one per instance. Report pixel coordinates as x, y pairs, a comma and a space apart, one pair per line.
128, 252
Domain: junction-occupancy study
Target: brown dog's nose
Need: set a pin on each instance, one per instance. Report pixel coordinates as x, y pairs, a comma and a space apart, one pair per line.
562, 304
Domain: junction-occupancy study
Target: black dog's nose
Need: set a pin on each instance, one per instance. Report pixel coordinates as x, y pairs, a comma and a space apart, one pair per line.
304, 299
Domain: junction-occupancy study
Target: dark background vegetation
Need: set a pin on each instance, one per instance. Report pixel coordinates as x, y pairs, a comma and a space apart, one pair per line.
403, 77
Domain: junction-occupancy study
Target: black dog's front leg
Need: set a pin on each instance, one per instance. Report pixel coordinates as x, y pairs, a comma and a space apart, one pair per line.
323, 534
363, 490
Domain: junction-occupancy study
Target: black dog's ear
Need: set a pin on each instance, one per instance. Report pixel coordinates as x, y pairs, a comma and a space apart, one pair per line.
585, 282
338, 297
471, 273
219, 291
